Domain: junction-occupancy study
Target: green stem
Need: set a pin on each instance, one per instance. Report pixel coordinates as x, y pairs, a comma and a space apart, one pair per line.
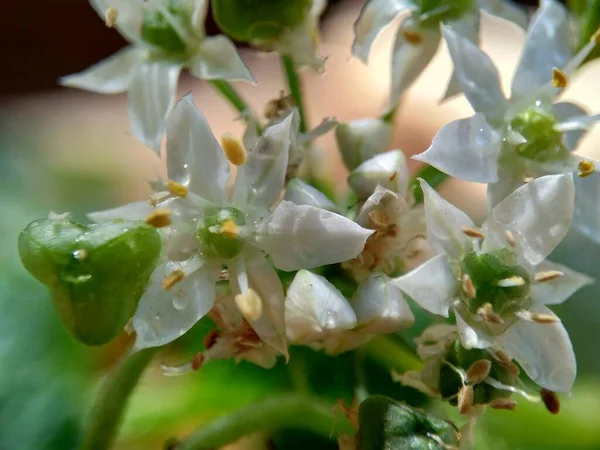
293, 411
235, 99
389, 116
111, 400
295, 87
433, 176
391, 354
589, 22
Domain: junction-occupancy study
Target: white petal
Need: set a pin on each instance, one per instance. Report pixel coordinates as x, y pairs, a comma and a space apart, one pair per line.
326, 125
384, 200
131, 211
299, 237
410, 58
315, 309
544, 351
388, 170
194, 157
471, 337
151, 97
374, 17
200, 10
538, 215
110, 76
510, 179
444, 224
570, 113
432, 285
270, 326
362, 139
467, 149
477, 74
260, 180
557, 291
130, 15
301, 193
380, 306
164, 315
218, 59
548, 45
506, 10
587, 206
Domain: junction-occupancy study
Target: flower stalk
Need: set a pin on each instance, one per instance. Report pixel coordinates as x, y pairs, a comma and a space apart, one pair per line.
295, 87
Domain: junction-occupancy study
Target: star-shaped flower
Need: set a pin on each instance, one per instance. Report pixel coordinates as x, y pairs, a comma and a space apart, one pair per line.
418, 37
528, 135
205, 230
165, 36
496, 279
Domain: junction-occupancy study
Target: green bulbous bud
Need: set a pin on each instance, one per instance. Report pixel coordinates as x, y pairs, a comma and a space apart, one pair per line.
461, 358
258, 20
544, 143
157, 31
386, 424
96, 274
219, 234
490, 272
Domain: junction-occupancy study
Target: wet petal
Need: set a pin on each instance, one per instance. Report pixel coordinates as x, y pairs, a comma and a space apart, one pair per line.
538, 215
477, 75
506, 10
467, 149
131, 211
374, 17
110, 76
315, 309
194, 157
388, 170
165, 314
299, 237
151, 97
544, 351
260, 180
301, 193
556, 291
218, 59
432, 285
548, 45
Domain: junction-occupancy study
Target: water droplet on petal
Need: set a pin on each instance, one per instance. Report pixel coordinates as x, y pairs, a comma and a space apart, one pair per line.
180, 302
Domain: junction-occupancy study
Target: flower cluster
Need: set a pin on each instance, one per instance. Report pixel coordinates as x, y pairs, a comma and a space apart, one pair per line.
226, 242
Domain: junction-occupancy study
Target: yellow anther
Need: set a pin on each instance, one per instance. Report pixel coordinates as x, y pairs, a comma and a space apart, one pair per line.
229, 229
487, 313
510, 239
542, 318
478, 371
394, 175
234, 149
177, 189
548, 275
513, 281
413, 37
173, 278
586, 168
159, 218
110, 17
250, 305
559, 78
468, 286
473, 232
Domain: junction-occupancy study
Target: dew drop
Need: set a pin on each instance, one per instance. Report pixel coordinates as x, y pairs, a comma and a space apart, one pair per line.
157, 317
180, 302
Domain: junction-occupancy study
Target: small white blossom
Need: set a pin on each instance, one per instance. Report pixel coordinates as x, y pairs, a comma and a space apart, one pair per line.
498, 286
165, 37
206, 229
418, 37
362, 139
510, 140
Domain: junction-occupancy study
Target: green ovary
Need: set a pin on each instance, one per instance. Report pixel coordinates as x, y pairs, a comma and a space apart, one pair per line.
157, 31
218, 232
544, 143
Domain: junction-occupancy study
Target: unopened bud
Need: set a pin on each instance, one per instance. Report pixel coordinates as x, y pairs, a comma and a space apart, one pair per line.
362, 139
386, 169
478, 371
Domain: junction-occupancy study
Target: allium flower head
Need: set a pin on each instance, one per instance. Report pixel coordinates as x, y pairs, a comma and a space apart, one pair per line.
165, 36
205, 230
418, 37
496, 279
527, 135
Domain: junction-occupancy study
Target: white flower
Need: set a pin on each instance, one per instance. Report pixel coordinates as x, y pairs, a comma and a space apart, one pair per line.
205, 229
528, 135
496, 279
362, 139
301, 193
388, 170
418, 37
317, 314
165, 36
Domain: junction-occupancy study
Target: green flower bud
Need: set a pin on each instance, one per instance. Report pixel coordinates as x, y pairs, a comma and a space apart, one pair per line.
96, 274
258, 20
362, 139
544, 143
157, 30
461, 358
499, 281
219, 234
387, 424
